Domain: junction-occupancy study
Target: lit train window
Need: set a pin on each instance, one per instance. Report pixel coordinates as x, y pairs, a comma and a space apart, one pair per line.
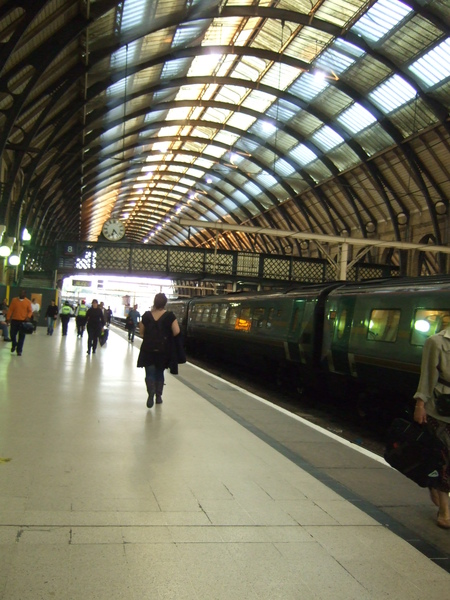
223, 311
341, 323
214, 313
233, 314
206, 311
198, 313
383, 325
246, 313
427, 322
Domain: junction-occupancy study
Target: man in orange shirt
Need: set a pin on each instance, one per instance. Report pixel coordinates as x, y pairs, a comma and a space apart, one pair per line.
19, 311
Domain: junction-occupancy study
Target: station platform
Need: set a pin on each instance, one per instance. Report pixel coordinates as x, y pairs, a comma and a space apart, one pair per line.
215, 494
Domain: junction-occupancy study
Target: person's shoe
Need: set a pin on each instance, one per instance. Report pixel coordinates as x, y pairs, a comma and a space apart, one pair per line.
443, 522
93, 351
13, 348
88, 352
19, 354
6, 339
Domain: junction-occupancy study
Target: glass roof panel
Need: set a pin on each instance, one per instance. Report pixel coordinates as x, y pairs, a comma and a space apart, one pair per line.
302, 155
283, 111
434, 66
281, 167
338, 58
259, 99
280, 76
308, 86
356, 118
392, 94
327, 138
383, 17
241, 121
252, 189
133, 13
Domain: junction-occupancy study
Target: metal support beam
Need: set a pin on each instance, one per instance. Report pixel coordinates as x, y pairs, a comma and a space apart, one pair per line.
313, 236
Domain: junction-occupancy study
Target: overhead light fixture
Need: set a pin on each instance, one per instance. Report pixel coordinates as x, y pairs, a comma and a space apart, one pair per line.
7, 246
14, 260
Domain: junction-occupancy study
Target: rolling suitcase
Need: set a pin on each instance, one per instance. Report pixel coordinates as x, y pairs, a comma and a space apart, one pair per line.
413, 451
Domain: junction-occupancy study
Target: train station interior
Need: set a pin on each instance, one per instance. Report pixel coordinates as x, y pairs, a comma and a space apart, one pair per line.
199, 147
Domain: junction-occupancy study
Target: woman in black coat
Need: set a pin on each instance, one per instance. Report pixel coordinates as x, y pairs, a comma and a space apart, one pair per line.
95, 322
158, 327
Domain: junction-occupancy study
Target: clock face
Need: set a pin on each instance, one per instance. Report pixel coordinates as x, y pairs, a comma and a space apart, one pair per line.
113, 230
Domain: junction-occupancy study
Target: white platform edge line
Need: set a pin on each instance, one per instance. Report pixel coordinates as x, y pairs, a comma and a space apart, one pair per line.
331, 435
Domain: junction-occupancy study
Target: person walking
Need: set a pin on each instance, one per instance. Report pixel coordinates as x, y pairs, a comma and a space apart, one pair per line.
157, 328
94, 325
65, 314
35, 307
3, 325
51, 314
19, 312
433, 410
80, 318
133, 318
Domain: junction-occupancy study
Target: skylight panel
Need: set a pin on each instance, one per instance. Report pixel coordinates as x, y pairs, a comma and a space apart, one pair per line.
308, 86
266, 180
178, 114
302, 155
338, 58
434, 66
283, 168
379, 20
356, 118
123, 56
133, 14
392, 94
282, 111
326, 138
240, 197
252, 189
241, 121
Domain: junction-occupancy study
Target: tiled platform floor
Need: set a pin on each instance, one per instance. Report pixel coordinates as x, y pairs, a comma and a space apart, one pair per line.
104, 499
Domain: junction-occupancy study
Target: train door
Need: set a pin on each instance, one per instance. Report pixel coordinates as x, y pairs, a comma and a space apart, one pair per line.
340, 322
293, 347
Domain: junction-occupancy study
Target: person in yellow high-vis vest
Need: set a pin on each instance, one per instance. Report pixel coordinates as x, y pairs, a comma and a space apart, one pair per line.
81, 318
64, 314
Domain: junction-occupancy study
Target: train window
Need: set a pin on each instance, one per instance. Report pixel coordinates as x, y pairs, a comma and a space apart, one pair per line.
427, 322
270, 317
246, 313
383, 325
341, 323
258, 316
206, 311
233, 314
223, 312
214, 313
198, 313
298, 314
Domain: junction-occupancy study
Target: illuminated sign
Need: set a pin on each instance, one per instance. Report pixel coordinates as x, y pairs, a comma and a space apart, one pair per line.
242, 325
80, 283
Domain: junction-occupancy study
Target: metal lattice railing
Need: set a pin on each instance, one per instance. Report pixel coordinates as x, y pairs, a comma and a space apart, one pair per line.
194, 263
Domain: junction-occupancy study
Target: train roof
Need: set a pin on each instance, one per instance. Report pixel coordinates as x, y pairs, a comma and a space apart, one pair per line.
397, 284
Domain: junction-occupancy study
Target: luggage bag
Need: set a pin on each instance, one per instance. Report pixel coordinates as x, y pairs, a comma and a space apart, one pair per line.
413, 451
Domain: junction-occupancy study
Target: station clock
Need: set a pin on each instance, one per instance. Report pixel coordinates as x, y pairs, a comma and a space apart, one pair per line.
113, 230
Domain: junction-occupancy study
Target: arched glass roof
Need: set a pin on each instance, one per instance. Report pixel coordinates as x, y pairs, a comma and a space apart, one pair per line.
327, 116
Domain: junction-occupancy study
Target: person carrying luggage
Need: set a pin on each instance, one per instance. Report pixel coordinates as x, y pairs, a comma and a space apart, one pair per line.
432, 409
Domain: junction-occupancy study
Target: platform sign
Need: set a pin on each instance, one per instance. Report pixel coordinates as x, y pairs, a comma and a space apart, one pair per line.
81, 283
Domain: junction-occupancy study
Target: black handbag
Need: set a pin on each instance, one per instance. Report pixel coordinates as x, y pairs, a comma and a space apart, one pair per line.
27, 327
413, 451
442, 403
